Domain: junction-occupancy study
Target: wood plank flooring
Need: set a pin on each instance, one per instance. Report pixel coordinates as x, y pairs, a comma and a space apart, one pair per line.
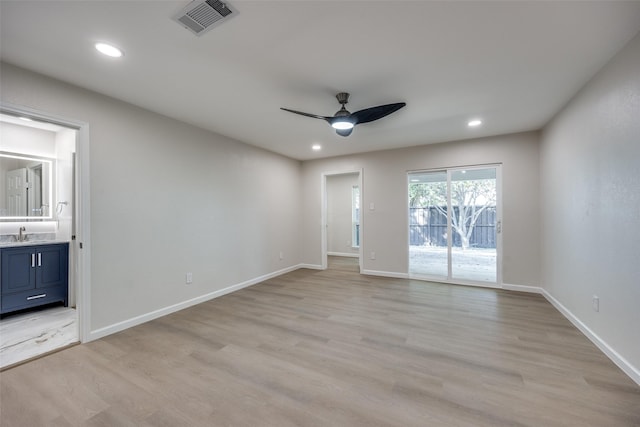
333, 348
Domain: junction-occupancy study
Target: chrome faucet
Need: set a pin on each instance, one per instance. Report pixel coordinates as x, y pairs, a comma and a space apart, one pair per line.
21, 236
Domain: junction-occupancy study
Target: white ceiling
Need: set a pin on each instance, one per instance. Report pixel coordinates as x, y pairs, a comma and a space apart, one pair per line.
512, 64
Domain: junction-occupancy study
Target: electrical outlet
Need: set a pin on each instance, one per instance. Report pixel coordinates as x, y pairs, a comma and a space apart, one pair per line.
596, 303
373, 255
189, 278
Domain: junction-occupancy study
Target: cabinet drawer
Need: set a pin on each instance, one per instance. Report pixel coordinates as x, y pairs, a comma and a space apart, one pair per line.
33, 298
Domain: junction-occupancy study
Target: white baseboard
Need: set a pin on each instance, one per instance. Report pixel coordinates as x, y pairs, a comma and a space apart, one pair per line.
615, 357
424, 278
125, 324
523, 288
386, 274
345, 254
310, 266
621, 362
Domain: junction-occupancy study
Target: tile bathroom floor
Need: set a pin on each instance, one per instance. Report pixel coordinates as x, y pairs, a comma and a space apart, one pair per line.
27, 335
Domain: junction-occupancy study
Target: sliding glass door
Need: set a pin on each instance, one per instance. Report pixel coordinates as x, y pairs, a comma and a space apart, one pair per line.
454, 225
428, 226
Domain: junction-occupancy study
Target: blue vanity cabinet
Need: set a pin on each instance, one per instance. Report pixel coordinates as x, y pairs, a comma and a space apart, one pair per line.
33, 276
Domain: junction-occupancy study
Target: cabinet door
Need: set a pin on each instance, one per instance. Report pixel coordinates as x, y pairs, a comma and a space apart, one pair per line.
52, 266
18, 269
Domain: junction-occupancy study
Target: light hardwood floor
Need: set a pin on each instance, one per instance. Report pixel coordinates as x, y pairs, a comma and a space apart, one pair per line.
333, 348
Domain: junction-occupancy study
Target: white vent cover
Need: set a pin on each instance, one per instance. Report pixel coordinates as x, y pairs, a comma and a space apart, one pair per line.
200, 16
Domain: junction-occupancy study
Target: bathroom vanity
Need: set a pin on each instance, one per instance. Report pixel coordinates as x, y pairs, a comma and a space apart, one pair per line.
33, 274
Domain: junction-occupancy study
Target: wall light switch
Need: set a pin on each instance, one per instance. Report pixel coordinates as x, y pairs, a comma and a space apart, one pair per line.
189, 278
596, 303
372, 207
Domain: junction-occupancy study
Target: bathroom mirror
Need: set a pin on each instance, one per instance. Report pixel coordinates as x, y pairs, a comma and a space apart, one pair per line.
26, 187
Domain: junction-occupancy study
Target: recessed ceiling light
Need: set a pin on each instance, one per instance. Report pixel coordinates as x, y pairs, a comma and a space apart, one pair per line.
109, 50
474, 123
316, 147
415, 180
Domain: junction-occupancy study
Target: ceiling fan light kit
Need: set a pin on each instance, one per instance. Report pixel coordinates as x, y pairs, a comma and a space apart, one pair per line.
342, 124
343, 121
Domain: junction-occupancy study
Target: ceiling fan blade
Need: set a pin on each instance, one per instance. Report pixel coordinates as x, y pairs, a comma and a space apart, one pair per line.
344, 132
374, 113
363, 116
315, 116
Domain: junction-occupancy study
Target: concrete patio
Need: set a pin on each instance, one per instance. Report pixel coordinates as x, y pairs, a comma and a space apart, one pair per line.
474, 264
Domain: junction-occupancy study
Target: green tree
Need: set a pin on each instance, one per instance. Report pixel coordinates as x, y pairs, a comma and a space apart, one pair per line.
469, 198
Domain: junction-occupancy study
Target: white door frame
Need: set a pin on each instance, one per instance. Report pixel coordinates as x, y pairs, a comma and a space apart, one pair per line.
323, 209
82, 245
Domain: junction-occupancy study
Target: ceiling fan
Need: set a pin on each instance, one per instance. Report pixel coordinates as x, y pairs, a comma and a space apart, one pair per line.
343, 121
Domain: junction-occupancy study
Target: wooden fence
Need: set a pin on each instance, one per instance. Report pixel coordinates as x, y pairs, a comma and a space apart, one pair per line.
428, 227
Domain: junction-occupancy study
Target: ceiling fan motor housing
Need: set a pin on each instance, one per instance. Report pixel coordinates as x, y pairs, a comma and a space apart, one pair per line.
343, 98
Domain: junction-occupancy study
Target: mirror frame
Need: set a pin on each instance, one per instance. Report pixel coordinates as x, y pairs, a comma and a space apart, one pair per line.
51, 163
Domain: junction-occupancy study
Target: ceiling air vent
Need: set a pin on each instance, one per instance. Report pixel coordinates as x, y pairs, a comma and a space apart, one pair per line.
200, 16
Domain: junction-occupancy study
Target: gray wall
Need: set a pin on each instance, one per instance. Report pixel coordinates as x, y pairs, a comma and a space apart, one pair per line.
168, 198
385, 229
590, 160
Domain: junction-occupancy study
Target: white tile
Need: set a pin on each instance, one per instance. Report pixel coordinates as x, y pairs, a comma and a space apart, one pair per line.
27, 335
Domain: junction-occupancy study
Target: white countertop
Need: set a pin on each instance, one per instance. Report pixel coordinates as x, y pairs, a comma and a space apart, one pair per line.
30, 243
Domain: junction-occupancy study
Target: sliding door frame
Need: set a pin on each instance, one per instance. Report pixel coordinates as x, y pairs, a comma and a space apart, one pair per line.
449, 279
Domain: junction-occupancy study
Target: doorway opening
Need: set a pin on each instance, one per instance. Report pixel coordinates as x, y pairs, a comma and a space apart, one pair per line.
341, 216
57, 211
454, 225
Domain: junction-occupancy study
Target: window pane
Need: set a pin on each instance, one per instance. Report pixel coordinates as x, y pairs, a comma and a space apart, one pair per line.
473, 224
428, 224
